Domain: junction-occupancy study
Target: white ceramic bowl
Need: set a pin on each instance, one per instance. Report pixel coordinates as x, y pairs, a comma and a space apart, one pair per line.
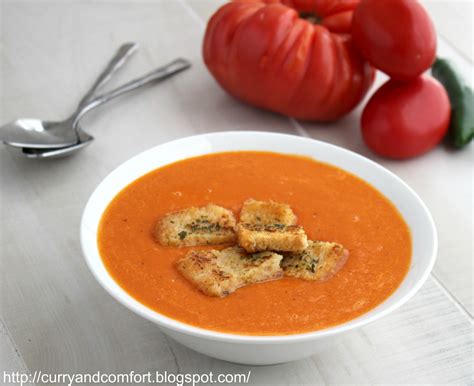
262, 349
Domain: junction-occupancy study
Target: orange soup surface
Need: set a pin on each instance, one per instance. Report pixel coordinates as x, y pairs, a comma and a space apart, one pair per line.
331, 205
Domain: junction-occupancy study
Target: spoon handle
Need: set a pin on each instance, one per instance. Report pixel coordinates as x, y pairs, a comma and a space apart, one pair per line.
121, 56
160, 73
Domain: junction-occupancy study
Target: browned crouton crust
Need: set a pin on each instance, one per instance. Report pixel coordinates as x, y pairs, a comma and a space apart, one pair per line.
202, 268
320, 261
252, 268
208, 225
218, 273
266, 212
272, 237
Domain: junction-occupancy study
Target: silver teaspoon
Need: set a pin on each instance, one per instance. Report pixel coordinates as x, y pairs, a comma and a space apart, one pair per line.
35, 133
85, 139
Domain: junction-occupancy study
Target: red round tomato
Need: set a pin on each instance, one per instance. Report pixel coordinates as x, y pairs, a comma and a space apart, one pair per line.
406, 119
396, 36
294, 57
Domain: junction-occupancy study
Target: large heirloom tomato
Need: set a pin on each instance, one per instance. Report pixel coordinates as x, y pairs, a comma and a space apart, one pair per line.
294, 57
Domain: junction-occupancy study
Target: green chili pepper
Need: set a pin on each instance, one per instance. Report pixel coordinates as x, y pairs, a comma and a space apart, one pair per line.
461, 97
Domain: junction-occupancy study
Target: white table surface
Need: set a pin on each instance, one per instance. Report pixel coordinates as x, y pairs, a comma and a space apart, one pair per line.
55, 317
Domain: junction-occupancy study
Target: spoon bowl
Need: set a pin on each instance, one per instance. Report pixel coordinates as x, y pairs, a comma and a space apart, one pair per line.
30, 132
83, 140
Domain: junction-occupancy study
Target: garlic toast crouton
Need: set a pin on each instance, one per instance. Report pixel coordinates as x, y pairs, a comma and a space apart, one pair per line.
320, 261
271, 237
202, 269
252, 268
218, 273
266, 212
208, 225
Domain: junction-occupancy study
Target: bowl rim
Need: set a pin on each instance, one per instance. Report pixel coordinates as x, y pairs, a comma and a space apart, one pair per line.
124, 298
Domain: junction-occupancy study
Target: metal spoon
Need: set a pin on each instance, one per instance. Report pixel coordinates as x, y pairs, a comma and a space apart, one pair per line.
84, 139
160, 73
35, 133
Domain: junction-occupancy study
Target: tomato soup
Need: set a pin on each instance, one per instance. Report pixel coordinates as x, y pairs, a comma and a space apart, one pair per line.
331, 205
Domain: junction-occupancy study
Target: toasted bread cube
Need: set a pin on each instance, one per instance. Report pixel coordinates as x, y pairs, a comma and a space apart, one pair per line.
266, 212
273, 237
208, 225
202, 269
218, 273
252, 268
269, 225
320, 261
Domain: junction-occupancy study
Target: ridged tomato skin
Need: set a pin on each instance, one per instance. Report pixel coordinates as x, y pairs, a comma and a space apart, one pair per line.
263, 53
396, 36
406, 119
